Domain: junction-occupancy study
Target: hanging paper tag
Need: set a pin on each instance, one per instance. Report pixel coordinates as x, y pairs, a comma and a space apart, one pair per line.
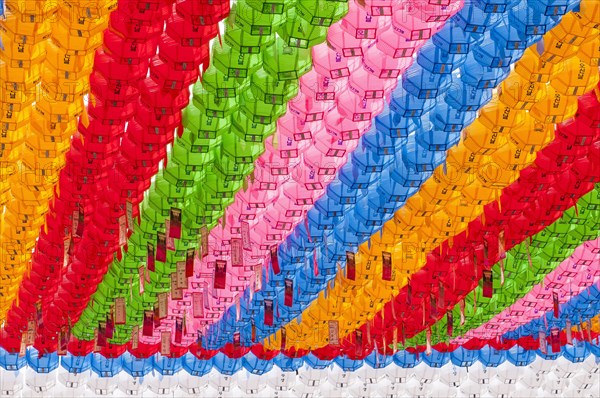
101, 340
161, 247
165, 343
462, 312
170, 240
75, 226
486, 260
555, 339
39, 315
203, 243
441, 295
135, 337
409, 294
220, 277
350, 266
258, 277
569, 332
189, 262
156, 317
148, 326
403, 336
182, 279
580, 335
163, 305
122, 230
502, 272
543, 343
283, 339
96, 346
178, 330
555, 302
359, 339
307, 227
387, 266
237, 255
275, 260
449, 323
198, 305
428, 342
245, 231
369, 332
238, 309
31, 329
150, 257
501, 245
588, 328
334, 332
142, 275
129, 214
288, 300
80, 223
268, 309
253, 332
63, 340
110, 325
23, 348
236, 339
120, 314
433, 306
66, 248
174, 223
176, 292
488, 284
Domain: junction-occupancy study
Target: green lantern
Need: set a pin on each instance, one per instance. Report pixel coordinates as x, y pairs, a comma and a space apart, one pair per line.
261, 112
321, 12
211, 105
221, 190
246, 129
245, 43
204, 126
229, 170
241, 152
221, 85
300, 33
255, 22
234, 65
283, 62
197, 216
272, 91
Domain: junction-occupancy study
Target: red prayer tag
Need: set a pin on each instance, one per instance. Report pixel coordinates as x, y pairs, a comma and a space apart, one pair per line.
350, 266
150, 258
387, 266
175, 223
268, 308
275, 260
148, 326
161, 247
488, 284
289, 293
220, 278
